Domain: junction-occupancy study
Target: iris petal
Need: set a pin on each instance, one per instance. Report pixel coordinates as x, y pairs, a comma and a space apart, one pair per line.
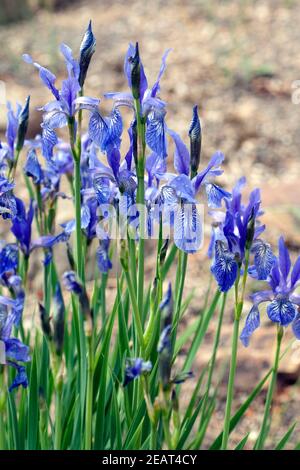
281, 311
251, 324
224, 267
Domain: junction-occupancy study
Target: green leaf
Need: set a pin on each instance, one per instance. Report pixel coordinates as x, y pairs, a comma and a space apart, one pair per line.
201, 331
242, 442
282, 443
33, 400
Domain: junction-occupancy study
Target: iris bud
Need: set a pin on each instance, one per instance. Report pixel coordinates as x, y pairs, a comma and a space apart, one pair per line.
45, 322
195, 141
250, 230
87, 49
163, 251
58, 320
23, 125
135, 73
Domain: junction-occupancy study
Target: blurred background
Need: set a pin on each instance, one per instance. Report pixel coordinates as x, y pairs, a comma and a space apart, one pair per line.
239, 60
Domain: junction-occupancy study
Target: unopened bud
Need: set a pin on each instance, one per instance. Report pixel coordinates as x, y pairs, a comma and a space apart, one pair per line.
87, 49
195, 141
23, 125
45, 322
135, 73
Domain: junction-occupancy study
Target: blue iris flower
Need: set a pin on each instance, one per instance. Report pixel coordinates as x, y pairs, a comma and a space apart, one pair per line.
12, 350
152, 108
178, 197
283, 301
66, 101
229, 240
135, 368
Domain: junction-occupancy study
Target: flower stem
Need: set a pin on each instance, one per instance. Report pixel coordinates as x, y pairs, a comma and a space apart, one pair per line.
230, 387
267, 413
140, 201
214, 354
89, 394
77, 183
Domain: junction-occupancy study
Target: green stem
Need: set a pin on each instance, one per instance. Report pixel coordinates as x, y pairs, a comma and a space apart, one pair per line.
77, 188
140, 201
58, 416
267, 412
182, 265
230, 387
77, 191
136, 312
89, 394
12, 171
214, 354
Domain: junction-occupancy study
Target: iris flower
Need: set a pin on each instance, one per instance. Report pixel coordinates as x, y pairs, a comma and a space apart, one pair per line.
282, 300
229, 239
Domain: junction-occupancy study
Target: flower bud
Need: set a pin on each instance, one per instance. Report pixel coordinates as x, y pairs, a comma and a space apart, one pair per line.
135, 73
195, 141
250, 230
87, 49
58, 320
45, 322
23, 125
163, 251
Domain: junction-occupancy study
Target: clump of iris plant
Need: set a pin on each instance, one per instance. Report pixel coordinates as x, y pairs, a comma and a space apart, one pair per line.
112, 355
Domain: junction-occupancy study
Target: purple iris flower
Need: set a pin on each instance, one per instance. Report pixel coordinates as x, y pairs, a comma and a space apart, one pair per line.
152, 108
230, 237
283, 301
57, 113
21, 225
135, 368
178, 196
12, 350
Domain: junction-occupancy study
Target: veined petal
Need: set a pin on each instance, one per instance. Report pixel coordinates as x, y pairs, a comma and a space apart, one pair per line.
98, 129
49, 140
156, 133
281, 311
187, 228
224, 267
263, 258
251, 324
215, 194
